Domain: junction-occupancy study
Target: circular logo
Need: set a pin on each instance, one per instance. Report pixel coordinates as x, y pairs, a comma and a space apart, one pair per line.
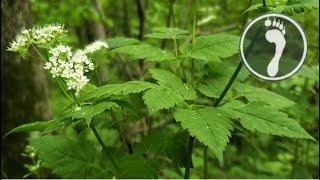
273, 47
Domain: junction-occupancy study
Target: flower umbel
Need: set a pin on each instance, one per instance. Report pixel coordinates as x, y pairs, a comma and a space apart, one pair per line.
40, 36
69, 66
43, 35
95, 46
21, 42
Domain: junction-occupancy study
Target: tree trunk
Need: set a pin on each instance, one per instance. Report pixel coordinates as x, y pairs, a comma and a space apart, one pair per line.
24, 94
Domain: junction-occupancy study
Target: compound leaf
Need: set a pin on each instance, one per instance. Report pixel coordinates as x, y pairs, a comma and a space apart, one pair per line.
208, 125
212, 48
258, 116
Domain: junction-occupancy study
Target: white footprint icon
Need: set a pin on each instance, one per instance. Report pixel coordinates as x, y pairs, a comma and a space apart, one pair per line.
275, 35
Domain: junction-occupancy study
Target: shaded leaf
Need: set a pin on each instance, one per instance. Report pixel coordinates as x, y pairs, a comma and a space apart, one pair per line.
208, 125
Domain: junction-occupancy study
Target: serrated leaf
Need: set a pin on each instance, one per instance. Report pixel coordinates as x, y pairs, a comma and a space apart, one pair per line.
67, 158
212, 48
165, 142
87, 112
170, 92
157, 99
117, 89
120, 42
146, 52
259, 94
168, 80
134, 167
216, 81
208, 125
258, 116
30, 127
167, 33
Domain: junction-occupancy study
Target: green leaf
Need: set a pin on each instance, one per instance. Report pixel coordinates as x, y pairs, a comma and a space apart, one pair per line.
136, 167
258, 116
171, 91
30, 127
307, 72
146, 52
299, 6
157, 99
67, 158
117, 89
259, 94
168, 33
120, 42
212, 48
87, 112
168, 80
165, 142
208, 125
253, 7
216, 81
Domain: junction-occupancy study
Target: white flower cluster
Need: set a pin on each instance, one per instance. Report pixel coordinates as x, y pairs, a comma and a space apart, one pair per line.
95, 46
43, 35
21, 42
38, 35
69, 66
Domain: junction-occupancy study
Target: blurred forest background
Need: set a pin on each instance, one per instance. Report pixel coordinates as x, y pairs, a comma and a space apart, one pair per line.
28, 93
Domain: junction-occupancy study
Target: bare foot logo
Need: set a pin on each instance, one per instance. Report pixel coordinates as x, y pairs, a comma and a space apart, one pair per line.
275, 35
273, 47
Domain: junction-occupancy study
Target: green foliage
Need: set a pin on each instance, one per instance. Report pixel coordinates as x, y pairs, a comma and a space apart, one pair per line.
259, 94
212, 48
166, 142
133, 167
66, 157
87, 112
146, 52
147, 97
266, 119
30, 127
209, 125
130, 87
168, 33
171, 91
286, 6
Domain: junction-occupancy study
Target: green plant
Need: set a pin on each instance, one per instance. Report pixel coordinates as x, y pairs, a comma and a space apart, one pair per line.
195, 84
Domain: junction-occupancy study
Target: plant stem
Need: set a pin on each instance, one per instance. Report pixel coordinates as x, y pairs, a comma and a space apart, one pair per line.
189, 158
191, 139
104, 146
63, 90
97, 74
224, 92
205, 163
264, 3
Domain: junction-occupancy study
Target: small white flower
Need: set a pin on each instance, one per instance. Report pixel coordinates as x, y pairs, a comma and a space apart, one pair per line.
38, 35
69, 66
95, 46
21, 42
43, 35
